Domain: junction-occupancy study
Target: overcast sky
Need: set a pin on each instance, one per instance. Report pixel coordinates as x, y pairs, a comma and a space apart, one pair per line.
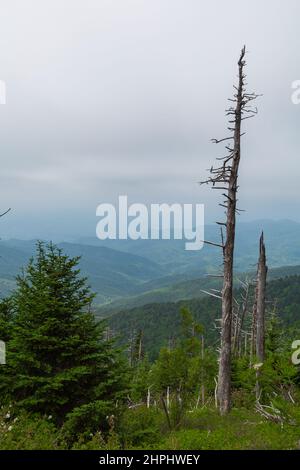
109, 97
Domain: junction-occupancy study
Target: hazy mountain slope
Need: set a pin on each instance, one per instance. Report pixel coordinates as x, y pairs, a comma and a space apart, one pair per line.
187, 289
138, 272
282, 241
171, 293
111, 273
11, 260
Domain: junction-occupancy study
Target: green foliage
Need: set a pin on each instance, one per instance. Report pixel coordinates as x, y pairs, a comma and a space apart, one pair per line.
98, 442
186, 366
85, 420
160, 321
26, 431
182, 372
139, 427
143, 428
6, 319
140, 381
170, 370
204, 428
243, 376
57, 358
240, 430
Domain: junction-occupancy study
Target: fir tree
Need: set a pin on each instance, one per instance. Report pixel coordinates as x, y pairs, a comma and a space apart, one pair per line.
6, 319
58, 359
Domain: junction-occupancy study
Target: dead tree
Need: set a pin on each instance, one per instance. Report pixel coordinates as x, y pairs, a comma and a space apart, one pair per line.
136, 348
202, 371
225, 177
246, 285
261, 301
253, 327
139, 346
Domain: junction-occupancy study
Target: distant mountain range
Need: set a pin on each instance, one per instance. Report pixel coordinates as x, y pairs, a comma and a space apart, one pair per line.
128, 273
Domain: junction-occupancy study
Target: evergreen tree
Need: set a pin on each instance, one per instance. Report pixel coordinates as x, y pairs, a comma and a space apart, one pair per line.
58, 359
6, 319
6, 325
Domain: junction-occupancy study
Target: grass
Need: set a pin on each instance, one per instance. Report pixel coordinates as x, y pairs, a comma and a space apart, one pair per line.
242, 429
142, 428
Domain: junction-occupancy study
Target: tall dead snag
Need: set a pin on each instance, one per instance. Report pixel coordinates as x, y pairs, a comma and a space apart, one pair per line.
225, 177
253, 327
260, 302
262, 270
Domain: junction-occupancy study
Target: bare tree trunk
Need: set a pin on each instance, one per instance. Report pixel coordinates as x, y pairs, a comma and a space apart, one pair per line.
168, 397
202, 371
245, 299
216, 392
253, 327
236, 320
166, 410
224, 378
131, 348
246, 341
258, 328
225, 177
149, 397
140, 346
261, 300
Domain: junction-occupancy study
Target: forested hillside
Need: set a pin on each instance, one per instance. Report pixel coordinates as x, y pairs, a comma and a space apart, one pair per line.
163, 290
160, 322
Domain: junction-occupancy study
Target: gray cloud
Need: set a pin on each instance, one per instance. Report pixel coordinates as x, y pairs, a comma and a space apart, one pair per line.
112, 97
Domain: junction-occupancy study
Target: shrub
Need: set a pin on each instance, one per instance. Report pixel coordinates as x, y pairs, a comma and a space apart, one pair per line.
26, 432
141, 426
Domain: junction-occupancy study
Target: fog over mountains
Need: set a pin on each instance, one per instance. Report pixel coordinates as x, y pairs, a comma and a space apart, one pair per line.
145, 270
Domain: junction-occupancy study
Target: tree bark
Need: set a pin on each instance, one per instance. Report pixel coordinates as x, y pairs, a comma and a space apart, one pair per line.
225, 177
202, 371
224, 377
238, 345
261, 301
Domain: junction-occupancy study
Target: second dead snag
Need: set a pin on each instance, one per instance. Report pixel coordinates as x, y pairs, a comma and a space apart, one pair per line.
262, 270
225, 177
